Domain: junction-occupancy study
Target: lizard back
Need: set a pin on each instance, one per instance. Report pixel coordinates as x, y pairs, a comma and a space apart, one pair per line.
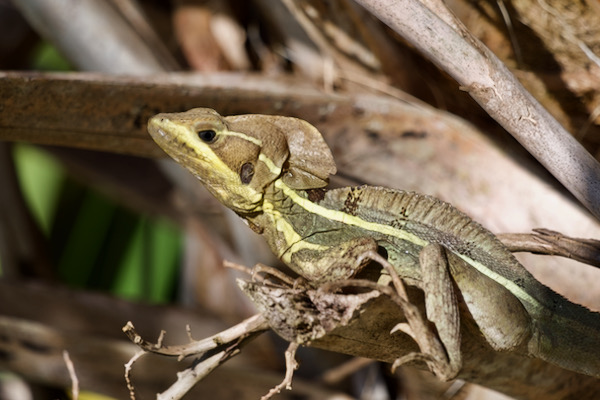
562, 328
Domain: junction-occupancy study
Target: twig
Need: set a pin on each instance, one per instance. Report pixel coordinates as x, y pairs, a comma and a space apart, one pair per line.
237, 267
553, 243
71, 29
253, 325
188, 378
72, 374
128, 367
230, 340
260, 269
290, 366
134, 14
511, 31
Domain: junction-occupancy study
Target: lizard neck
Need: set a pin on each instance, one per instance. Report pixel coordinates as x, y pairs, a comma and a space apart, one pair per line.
284, 220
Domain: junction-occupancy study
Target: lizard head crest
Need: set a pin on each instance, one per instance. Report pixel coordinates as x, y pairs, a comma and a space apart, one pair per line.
237, 157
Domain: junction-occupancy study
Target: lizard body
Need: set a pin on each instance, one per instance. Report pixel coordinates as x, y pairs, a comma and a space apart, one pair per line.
272, 172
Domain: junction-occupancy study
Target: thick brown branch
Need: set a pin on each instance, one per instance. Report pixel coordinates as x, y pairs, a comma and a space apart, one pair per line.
548, 242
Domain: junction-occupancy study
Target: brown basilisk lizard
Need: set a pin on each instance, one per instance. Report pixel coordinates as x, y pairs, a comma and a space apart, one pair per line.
272, 172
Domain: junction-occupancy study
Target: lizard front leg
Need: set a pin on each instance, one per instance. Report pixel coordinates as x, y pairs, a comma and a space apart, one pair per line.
442, 309
439, 346
439, 337
336, 262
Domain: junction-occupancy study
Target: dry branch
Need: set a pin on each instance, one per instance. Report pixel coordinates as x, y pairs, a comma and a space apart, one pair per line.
375, 140
34, 334
74, 25
251, 326
545, 241
445, 41
361, 325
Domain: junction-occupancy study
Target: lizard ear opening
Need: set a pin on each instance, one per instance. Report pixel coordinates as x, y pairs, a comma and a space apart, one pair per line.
246, 173
310, 161
260, 168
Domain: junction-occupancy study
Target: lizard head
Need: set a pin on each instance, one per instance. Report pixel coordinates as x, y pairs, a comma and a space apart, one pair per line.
237, 157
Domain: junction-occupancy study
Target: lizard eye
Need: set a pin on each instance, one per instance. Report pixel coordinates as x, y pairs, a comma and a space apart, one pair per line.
207, 135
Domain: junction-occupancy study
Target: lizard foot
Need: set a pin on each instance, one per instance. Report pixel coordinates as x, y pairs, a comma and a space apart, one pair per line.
417, 326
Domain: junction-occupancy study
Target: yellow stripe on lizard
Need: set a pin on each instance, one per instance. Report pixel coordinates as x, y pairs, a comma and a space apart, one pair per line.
294, 241
240, 135
275, 170
348, 219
